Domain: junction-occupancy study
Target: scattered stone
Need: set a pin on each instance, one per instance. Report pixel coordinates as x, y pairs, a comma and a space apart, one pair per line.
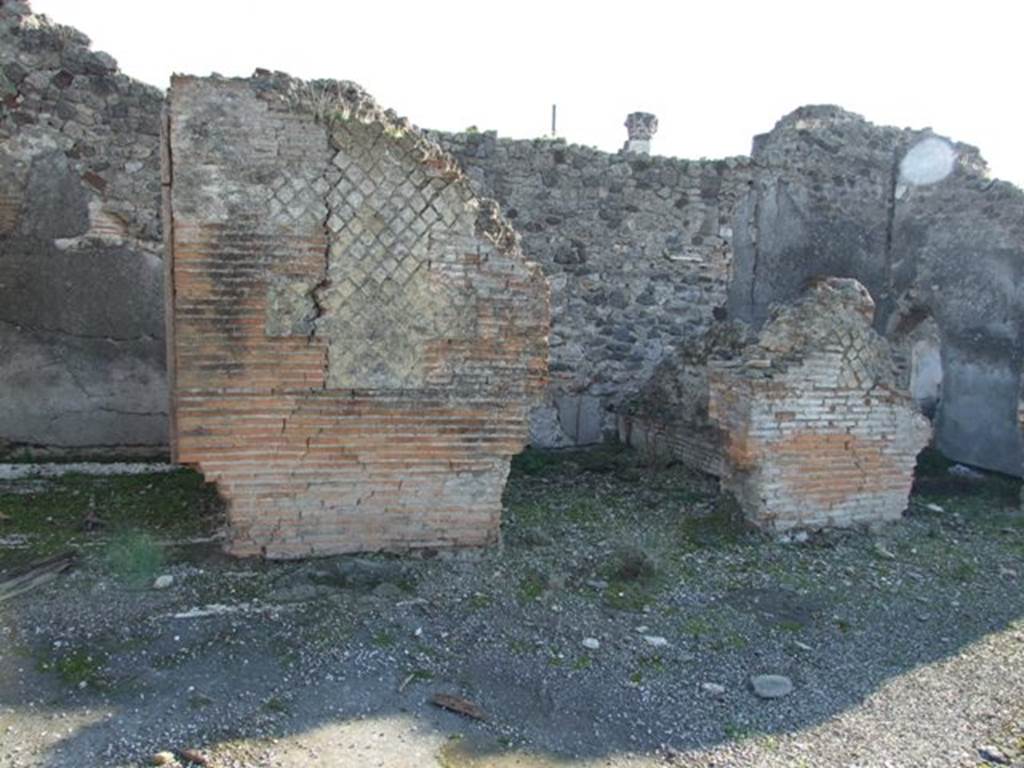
802, 646
194, 756
713, 689
965, 473
591, 643
882, 551
656, 640
800, 537
598, 584
162, 758
163, 582
771, 686
993, 754
934, 508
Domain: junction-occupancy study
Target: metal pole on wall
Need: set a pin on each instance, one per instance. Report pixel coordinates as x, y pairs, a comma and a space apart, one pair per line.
554, 115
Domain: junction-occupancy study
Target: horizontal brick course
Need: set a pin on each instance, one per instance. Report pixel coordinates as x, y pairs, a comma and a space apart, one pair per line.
356, 338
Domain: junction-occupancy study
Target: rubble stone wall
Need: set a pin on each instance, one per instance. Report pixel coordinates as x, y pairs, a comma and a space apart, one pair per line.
81, 284
642, 253
916, 219
638, 254
816, 430
357, 338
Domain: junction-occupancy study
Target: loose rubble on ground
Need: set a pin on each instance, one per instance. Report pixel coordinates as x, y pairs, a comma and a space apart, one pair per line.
625, 620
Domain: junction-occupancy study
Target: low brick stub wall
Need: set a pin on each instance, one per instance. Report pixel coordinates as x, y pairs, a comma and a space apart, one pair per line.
357, 339
816, 432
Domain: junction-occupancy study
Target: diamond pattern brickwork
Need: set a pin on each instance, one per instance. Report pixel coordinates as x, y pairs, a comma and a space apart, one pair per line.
357, 338
387, 296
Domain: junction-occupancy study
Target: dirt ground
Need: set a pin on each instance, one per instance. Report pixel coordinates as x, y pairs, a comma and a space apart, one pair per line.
619, 624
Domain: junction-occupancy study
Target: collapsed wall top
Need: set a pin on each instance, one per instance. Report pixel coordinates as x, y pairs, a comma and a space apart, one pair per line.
816, 430
357, 337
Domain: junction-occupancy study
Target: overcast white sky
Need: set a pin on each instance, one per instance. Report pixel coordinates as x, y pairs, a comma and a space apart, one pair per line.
714, 72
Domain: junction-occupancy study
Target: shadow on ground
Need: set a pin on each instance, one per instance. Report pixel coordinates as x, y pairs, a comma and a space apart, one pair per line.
620, 592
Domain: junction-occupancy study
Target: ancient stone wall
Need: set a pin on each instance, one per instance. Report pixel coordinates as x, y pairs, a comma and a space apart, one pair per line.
81, 308
357, 338
914, 217
637, 251
817, 431
641, 252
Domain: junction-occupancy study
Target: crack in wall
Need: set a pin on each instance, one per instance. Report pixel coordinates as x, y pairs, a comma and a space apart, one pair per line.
316, 293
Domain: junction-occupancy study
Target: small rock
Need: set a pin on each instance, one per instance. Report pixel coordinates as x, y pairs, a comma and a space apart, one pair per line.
656, 640
194, 756
1008, 572
771, 686
591, 643
993, 755
800, 537
802, 646
959, 470
713, 689
163, 582
162, 758
599, 584
881, 551
934, 508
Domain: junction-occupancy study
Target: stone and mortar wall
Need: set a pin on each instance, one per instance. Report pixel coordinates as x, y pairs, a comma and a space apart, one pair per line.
914, 217
638, 254
640, 251
81, 307
816, 430
357, 338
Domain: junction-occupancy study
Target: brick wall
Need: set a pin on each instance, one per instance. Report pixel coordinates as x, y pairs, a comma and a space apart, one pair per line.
668, 420
817, 431
356, 338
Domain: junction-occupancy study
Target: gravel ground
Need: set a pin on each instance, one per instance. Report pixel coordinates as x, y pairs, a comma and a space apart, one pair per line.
99, 469
619, 625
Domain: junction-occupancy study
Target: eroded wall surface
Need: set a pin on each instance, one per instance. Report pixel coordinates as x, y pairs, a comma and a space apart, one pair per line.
817, 431
357, 338
642, 254
915, 218
81, 310
638, 253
